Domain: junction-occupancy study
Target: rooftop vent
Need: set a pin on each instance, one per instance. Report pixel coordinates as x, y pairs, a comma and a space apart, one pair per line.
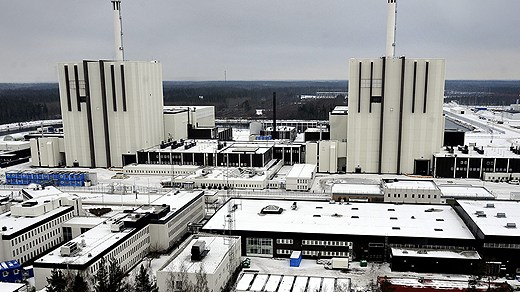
355, 217
479, 212
422, 251
438, 229
393, 218
337, 215
405, 251
501, 215
439, 219
481, 215
355, 208
511, 225
316, 215
271, 209
198, 250
396, 228
489, 205
69, 248
391, 210
319, 207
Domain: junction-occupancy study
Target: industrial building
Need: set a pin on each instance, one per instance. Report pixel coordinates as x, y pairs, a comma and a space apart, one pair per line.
126, 236
300, 177
218, 259
109, 108
476, 161
35, 226
395, 116
411, 191
274, 228
495, 227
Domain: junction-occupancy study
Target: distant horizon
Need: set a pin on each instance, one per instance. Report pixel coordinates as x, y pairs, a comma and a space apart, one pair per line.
275, 80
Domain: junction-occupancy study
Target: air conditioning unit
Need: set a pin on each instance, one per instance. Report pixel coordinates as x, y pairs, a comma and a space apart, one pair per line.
116, 226
69, 249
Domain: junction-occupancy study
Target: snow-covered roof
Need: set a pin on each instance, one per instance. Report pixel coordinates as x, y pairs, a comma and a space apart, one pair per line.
11, 287
493, 218
465, 191
447, 254
15, 224
96, 241
218, 249
410, 184
304, 171
357, 189
376, 219
286, 283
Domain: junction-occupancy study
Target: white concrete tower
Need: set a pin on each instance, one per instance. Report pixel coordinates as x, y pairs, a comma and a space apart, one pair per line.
118, 30
390, 28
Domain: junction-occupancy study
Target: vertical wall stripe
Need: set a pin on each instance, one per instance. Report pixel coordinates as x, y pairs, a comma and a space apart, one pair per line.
414, 85
89, 116
359, 89
123, 86
371, 84
401, 102
113, 81
105, 111
67, 88
76, 83
382, 115
426, 86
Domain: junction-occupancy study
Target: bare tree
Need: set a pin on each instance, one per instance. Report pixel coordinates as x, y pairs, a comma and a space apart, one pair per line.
180, 281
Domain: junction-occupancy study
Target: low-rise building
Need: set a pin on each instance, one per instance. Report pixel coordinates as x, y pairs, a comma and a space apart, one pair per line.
219, 259
411, 191
300, 177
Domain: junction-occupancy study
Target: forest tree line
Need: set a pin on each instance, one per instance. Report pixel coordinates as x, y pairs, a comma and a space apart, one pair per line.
241, 99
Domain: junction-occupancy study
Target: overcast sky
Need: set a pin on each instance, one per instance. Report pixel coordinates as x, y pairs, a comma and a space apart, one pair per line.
259, 40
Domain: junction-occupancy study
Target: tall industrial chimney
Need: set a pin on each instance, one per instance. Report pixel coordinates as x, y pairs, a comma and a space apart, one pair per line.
118, 30
390, 28
275, 132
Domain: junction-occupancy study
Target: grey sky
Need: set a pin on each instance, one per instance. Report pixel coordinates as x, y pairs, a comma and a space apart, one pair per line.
259, 40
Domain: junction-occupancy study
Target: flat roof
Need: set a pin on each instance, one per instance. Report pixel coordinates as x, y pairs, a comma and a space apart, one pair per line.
376, 219
491, 224
84, 221
16, 224
465, 191
409, 184
11, 287
302, 171
97, 241
218, 248
285, 283
357, 189
446, 254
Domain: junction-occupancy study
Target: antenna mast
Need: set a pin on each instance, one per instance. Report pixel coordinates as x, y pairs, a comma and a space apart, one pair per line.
390, 28
118, 30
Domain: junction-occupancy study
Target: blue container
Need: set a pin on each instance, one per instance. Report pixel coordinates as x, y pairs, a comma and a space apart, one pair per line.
296, 259
11, 271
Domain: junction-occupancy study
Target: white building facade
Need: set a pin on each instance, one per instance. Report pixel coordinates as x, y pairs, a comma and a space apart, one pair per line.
395, 118
110, 108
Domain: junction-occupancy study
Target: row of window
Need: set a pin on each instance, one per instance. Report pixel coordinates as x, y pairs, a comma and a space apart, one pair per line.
428, 246
30, 234
325, 253
502, 245
139, 171
419, 196
139, 240
326, 243
284, 241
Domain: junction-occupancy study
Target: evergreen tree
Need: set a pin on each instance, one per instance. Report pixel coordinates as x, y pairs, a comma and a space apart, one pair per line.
101, 278
116, 278
57, 282
143, 283
79, 284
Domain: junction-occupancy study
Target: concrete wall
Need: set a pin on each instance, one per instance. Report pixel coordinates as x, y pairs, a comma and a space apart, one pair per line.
111, 115
407, 124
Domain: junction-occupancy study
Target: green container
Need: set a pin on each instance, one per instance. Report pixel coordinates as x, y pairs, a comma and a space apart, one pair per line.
363, 263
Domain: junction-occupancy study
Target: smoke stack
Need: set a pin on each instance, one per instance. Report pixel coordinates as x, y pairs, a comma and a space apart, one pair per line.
390, 28
275, 132
118, 30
